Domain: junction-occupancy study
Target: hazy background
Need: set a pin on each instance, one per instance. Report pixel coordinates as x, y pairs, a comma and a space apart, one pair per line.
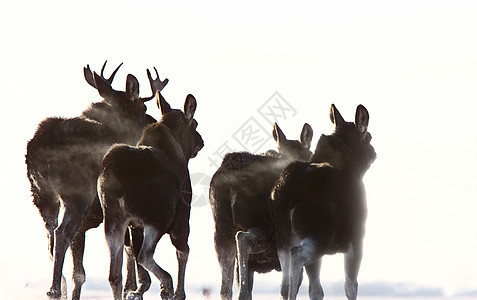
413, 64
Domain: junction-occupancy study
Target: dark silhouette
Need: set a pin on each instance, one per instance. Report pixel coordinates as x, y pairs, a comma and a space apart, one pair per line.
239, 194
319, 207
63, 162
148, 187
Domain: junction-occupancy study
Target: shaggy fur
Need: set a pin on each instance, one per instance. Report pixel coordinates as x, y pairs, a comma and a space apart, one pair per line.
239, 193
319, 207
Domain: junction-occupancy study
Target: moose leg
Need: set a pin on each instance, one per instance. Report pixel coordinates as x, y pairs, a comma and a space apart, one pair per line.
284, 257
74, 212
300, 256
114, 230
252, 241
182, 258
315, 291
182, 253
51, 225
143, 278
130, 284
136, 237
250, 283
145, 258
49, 215
79, 276
352, 262
226, 252
49, 207
143, 275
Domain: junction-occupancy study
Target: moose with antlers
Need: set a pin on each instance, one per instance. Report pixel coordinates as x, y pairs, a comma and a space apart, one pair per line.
63, 163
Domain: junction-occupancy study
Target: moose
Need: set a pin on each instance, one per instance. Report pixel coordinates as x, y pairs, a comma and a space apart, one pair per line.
63, 163
239, 193
148, 188
319, 207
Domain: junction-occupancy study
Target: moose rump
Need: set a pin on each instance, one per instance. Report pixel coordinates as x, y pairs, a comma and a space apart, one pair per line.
128, 169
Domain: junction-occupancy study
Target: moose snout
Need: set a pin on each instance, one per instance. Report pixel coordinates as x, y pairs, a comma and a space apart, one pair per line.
372, 156
198, 146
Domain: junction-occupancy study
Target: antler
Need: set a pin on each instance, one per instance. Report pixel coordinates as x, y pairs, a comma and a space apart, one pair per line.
88, 74
156, 84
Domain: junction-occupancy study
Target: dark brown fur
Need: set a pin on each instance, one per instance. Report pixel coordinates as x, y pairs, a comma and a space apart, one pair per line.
239, 193
63, 162
320, 207
148, 187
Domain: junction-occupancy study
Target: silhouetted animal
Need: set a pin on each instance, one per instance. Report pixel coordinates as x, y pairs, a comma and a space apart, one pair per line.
63, 163
319, 207
94, 216
239, 193
148, 187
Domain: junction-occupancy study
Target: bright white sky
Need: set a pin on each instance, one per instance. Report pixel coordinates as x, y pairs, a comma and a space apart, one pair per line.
413, 64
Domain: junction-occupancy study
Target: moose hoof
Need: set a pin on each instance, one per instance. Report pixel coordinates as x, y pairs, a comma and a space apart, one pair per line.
53, 295
179, 296
133, 296
166, 293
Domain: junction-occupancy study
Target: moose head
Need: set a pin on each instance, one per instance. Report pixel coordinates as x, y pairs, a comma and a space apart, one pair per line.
350, 144
182, 125
291, 149
129, 108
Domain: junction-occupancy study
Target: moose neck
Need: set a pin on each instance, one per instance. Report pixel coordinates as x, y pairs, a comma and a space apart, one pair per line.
102, 112
331, 149
122, 128
160, 137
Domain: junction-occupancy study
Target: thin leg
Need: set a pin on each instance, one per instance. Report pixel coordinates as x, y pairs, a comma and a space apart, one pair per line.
130, 284
284, 257
143, 278
179, 240
63, 237
252, 241
114, 232
315, 291
136, 237
250, 284
243, 251
79, 276
352, 262
226, 252
300, 256
182, 257
145, 258
48, 206
285, 240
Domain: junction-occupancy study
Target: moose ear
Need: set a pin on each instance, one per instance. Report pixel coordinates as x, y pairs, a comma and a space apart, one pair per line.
278, 134
335, 116
362, 118
162, 104
189, 106
103, 87
306, 136
132, 87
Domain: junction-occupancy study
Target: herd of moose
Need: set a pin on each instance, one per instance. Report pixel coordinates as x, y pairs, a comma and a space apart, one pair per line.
279, 210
